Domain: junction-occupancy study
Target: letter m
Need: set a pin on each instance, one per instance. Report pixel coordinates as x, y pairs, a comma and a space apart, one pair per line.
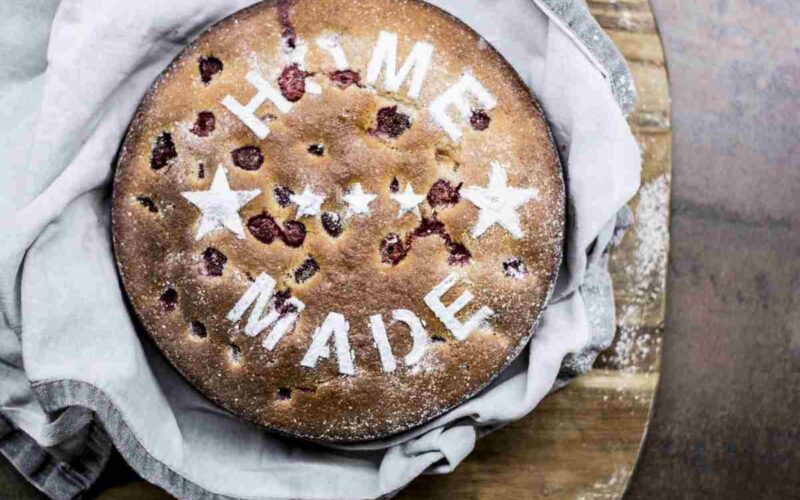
385, 55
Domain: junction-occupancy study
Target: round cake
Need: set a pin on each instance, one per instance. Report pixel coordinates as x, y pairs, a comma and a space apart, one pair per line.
339, 219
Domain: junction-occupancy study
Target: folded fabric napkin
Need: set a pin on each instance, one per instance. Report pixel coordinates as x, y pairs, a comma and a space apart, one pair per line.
76, 376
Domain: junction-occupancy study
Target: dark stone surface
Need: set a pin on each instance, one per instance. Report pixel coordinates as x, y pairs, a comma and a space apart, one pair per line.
726, 421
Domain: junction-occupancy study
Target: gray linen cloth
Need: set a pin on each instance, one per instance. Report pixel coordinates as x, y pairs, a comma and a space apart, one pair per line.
75, 375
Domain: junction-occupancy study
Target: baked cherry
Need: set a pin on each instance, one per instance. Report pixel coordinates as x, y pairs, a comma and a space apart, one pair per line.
391, 123
163, 152
199, 330
332, 223
247, 158
169, 299
214, 261
147, 203
316, 149
283, 195
514, 268
306, 270
292, 83
392, 249
209, 66
288, 33
444, 193
204, 124
343, 78
479, 119
459, 255
294, 233
264, 228
394, 186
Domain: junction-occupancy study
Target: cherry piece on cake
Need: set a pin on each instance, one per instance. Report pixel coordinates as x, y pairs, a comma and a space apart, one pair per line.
209, 66
343, 78
515, 268
479, 119
306, 270
394, 186
459, 255
292, 83
444, 193
248, 158
204, 124
392, 249
214, 261
288, 33
332, 223
264, 228
147, 203
316, 149
294, 233
164, 152
198, 329
201, 171
282, 304
169, 299
391, 123
283, 195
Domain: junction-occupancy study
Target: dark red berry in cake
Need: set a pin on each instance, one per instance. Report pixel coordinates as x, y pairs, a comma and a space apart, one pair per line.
209, 66
204, 124
282, 304
288, 33
394, 186
235, 352
479, 119
391, 123
459, 255
343, 78
247, 158
215, 261
316, 149
392, 249
438, 339
514, 268
332, 223
284, 393
147, 203
444, 193
283, 195
292, 83
164, 152
169, 299
199, 330
427, 227
201, 171
294, 233
307, 269
264, 228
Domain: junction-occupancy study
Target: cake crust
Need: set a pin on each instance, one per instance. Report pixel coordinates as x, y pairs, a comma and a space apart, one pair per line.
370, 248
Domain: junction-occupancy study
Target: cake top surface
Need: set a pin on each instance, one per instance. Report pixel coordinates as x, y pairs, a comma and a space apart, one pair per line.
339, 218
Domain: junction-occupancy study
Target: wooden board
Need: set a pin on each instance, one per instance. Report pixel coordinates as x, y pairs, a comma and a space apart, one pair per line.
582, 442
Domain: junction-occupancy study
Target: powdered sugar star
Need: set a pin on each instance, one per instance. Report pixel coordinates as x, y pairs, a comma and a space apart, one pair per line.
408, 201
358, 201
498, 202
219, 206
308, 202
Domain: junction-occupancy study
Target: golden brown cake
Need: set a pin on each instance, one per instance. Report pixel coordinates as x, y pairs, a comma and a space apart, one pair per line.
339, 219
